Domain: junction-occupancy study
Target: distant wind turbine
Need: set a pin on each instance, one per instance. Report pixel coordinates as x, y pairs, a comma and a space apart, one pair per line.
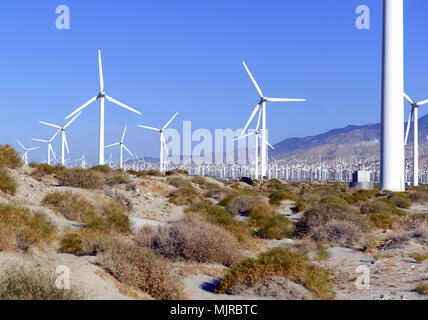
64, 144
49, 143
122, 146
102, 95
26, 150
262, 105
414, 115
162, 141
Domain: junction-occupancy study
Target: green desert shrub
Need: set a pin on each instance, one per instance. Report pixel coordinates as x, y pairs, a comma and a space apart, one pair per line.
384, 220
79, 178
70, 205
282, 262
400, 200
335, 203
21, 228
43, 169
139, 268
179, 182
186, 195
177, 171
269, 224
31, 283
7, 183
276, 197
9, 158
422, 288
191, 240
381, 205
419, 196
116, 217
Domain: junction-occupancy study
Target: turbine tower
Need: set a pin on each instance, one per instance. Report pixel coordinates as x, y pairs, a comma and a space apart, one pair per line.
262, 105
49, 143
64, 144
414, 115
162, 142
26, 150
102, 95
122, 146
392, 150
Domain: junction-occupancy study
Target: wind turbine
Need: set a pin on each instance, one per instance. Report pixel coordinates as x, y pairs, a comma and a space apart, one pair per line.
162, 140
102, 95
122, 146
414, 114
258, 136
49, 143
25, 155
262, 105
82, 161
64, 144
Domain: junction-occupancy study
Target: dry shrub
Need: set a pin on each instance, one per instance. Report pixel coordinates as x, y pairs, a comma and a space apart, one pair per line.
199, 180
155, 189
82, 243
79, 178
422, 288
419, 196
43, 169
116, 218
70, 205
219, 216
276, 197
9, 158
139, 268
343, 233
384, 220
179, 182
184, 196
31, 283
148, 173
177, 171
400, 200
282, 262
414, 221
194, 241
120, 198
242, 204
21, 228
7, 183
319, 216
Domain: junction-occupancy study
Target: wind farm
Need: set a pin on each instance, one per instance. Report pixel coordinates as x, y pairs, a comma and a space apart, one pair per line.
283, 160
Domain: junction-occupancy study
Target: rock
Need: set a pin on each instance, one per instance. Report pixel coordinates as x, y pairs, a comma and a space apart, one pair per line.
274, 287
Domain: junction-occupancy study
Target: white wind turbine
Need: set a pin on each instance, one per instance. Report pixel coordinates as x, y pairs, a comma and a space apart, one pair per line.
102, 95
414, 114
258, 136
162, 141
49, 143
82, 161
25, 154
262, 105
64, 144
122, 146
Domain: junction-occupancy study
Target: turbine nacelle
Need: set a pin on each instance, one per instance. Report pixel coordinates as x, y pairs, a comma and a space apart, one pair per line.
101, 95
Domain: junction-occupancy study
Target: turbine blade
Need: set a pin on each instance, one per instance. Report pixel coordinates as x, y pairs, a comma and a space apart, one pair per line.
128, 150
422, 102
150, 128
408, 98
123, 135
251, 118
22, 146
271, 146
31, 149
253, 80
54, 136
39, 140
242, 137
72, 120
112, 145
82, 107
50, 124
122, 105
285, 100
164, 145
258, 120
169, 122
101, 71
408, 126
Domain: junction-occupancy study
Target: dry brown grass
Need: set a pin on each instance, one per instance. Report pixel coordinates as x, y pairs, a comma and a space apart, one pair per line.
139, 268
7, 183
9, 158
70, 205
21, 228
195, 241
242, 204
79, 178
155, 189
283, 262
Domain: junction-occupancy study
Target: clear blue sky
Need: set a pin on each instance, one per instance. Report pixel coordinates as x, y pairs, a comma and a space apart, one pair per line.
166, 56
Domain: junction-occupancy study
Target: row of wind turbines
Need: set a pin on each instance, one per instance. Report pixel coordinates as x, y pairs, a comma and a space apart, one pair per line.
259, 133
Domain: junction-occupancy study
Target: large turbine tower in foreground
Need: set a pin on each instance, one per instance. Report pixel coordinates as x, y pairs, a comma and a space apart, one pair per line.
392, 148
